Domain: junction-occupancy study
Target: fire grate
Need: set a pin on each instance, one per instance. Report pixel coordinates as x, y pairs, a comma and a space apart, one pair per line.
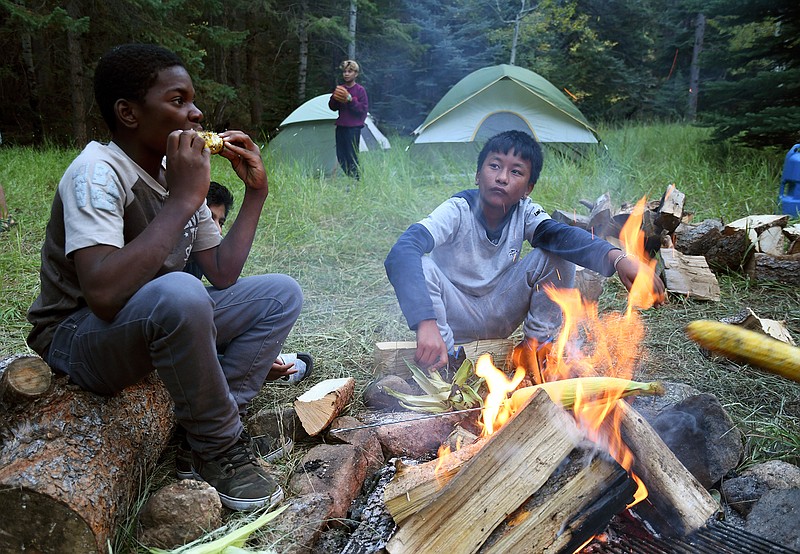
715, 538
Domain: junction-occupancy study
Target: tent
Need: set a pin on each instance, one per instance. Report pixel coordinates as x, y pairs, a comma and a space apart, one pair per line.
501, 98
307, 137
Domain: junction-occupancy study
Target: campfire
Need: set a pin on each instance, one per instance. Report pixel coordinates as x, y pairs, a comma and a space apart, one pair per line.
543, 479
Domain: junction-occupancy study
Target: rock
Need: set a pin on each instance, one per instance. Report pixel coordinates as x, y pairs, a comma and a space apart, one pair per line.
742, 492
276, 423
299, 527
365, 440
179, 513
375, 397
776, 517
418, 437
336, 470
702, 436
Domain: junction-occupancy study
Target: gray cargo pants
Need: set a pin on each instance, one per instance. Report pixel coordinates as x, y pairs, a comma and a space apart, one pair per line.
519, 296
178, 326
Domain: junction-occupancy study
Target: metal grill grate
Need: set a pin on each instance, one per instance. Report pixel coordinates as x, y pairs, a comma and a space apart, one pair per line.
716, 538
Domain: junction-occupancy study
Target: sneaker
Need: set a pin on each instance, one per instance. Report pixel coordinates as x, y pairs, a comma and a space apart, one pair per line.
242, 484
271, 448
303, 363
183, 461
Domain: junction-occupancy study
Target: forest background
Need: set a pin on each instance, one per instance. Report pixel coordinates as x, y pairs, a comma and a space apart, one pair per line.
733, 65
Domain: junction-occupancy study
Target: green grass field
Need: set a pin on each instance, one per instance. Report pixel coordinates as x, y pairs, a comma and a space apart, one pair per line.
332, 235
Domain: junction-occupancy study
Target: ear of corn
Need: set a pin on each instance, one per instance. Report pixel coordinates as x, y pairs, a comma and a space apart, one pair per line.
743, 345
564, 391
441, 396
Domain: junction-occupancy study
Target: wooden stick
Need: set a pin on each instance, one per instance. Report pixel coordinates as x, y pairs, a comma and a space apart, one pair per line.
510, 467
672, 489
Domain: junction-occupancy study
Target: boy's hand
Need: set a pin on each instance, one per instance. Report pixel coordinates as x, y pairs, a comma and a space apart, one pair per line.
431, 350
280, 369
188, 168
629, 267
340, 94
245, 158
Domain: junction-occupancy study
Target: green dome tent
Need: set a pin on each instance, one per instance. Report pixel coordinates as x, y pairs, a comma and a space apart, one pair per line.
501, 98
308, 137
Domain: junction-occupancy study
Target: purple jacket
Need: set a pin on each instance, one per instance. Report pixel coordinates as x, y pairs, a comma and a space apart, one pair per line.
353, 113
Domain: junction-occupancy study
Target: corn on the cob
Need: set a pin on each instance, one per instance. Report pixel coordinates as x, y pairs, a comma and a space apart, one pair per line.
564, 390
742, 345
213, 141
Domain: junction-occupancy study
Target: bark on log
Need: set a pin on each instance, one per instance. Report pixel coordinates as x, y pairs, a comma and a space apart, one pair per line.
783, 269
72, 463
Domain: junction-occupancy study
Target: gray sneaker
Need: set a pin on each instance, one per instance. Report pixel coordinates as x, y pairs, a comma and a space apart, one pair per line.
242, 484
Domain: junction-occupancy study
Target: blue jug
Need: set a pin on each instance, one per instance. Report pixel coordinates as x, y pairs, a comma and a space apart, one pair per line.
789, 194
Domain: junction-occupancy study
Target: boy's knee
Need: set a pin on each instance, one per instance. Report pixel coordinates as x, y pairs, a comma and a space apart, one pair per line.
179, 291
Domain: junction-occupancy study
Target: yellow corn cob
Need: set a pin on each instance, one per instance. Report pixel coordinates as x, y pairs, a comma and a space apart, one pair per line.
743, 345
564, 390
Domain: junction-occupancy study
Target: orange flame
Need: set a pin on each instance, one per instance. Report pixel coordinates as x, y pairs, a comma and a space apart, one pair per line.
590, 344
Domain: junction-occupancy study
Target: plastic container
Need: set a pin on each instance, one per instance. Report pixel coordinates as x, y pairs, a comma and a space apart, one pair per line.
789, 194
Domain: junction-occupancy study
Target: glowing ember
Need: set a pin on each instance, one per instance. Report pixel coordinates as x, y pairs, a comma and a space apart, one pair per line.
590, 345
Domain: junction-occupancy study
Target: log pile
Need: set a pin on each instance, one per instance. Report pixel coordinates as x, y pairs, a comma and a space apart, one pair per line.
764, 247
72, 463
535, 486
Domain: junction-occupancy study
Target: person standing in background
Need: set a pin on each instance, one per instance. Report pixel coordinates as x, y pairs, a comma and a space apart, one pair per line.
351, 101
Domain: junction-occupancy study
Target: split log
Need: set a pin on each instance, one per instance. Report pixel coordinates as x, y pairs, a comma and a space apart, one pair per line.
571, 218
414, 486
23, 379
747, 319
689, 276
72, 464
321, 404
673, 491
600, 218
670, 211
792, 234
756, 224
392, 358
696, 240
493, 483
783, 269
771, 242
576, 503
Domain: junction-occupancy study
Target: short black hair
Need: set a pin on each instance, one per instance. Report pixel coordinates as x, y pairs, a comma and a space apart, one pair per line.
219, 195
128, 71
523, 145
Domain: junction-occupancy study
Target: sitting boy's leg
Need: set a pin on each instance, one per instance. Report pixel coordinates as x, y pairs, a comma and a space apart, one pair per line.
253, 317
544, 318
167, 325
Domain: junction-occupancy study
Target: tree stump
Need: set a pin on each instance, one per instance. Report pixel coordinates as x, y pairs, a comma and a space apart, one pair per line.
72, 463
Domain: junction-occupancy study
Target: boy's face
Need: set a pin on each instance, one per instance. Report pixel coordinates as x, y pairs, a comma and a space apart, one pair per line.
218, 215
167, 106
349, 75
502, 181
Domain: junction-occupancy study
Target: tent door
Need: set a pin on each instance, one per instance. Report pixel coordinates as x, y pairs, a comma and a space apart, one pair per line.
497, 122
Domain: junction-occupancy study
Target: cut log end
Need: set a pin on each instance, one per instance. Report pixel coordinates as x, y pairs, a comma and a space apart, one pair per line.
24, 379
322, 403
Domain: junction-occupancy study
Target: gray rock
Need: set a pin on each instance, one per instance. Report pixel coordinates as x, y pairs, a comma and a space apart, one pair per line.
702, 436
375, 396
298, 529
776, 516
742, 492
179, 513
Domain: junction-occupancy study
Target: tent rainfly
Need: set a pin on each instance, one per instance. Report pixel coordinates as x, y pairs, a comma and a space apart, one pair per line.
501, 98
308, 136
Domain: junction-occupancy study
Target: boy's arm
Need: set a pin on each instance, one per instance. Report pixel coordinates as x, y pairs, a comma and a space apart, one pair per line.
223, 264
582, 248
109, 275
359, 102
404, 269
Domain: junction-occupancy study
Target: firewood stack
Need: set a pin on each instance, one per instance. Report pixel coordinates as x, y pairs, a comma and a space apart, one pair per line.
764, 247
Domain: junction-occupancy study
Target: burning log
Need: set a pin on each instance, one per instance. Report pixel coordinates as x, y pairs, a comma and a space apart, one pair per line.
493, 483
672, 490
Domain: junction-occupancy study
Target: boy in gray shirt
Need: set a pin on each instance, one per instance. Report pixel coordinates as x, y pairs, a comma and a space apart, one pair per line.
458, 273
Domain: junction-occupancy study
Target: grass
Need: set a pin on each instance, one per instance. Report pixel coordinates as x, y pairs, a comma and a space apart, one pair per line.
332, 235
